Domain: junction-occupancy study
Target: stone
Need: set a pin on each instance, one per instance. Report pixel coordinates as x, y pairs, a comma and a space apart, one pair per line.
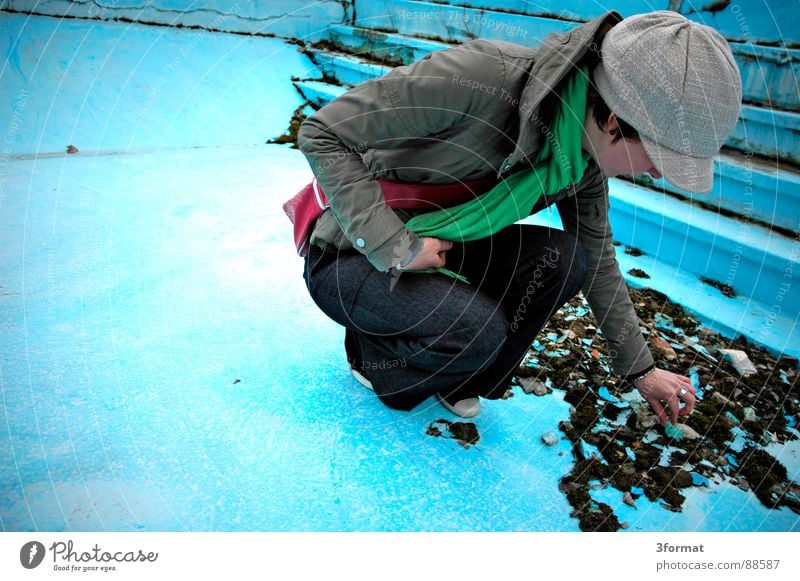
566, 334
689, 433
550, 438
645, 421
628, 499
663, 348
740, 361
721, 399
533, 385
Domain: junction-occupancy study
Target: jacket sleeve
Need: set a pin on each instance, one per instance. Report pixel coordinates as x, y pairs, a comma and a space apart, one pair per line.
405, 108
586, 214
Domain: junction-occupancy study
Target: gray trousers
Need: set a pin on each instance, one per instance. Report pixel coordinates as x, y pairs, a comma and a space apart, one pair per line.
419, 334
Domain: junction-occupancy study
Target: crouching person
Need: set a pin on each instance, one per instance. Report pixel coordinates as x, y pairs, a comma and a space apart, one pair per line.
427, 171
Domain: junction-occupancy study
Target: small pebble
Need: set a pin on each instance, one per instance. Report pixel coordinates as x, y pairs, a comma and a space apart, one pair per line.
628, 499
719, 398
533, 385
645, 421
550, 438
566, 334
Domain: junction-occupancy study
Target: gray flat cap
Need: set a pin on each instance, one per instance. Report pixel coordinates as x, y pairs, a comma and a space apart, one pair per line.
675, 81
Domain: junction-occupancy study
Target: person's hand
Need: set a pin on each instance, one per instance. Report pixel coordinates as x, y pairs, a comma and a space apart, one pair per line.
660, 387
431, 255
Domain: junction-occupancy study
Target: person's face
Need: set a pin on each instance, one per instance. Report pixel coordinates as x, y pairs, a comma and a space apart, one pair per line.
623, 157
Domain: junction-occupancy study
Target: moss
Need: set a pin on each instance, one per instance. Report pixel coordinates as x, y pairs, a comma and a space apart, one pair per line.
589, 469
465, 432
705, 420
771, 394
584, 418
678, 458
626, 476
762, 471
660, 486
294, 126
611, 451
646, 457
755, 429
611, 411
592, 516
638, 273
776, 423
725, 289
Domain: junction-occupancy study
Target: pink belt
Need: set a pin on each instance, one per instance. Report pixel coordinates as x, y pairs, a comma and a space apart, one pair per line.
304, 209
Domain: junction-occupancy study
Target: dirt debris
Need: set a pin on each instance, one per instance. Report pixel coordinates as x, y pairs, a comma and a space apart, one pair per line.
465, 433
734, 421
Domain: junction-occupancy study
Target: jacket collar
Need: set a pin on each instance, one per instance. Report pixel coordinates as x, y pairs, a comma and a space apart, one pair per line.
554, 60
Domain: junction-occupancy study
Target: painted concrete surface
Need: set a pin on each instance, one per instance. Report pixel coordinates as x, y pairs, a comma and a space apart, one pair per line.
283, 18
105, 86
162, 368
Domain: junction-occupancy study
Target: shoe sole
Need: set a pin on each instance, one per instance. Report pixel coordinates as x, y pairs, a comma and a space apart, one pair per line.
462, 414
361, 379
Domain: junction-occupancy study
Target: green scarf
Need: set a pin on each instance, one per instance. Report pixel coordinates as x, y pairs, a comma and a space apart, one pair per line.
560, 163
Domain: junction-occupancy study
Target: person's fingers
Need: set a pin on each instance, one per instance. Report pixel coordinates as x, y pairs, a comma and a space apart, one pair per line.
674, 408
689, 400
659, 409
443, 247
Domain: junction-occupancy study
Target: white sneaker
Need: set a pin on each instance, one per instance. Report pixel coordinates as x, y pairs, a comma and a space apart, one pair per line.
354, 359
466, 408
360, 378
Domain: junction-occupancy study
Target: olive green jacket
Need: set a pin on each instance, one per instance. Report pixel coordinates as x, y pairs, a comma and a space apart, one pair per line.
460, 114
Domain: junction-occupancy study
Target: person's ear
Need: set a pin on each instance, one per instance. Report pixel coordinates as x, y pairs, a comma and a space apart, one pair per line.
612, 125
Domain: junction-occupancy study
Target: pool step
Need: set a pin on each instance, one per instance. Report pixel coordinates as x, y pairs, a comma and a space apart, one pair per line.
751, 187
346, 68
745, 258
706, 263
